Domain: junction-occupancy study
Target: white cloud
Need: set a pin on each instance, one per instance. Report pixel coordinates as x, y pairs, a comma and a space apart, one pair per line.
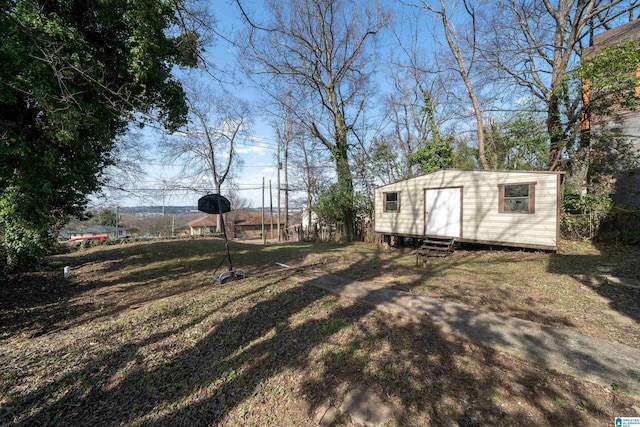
246, 149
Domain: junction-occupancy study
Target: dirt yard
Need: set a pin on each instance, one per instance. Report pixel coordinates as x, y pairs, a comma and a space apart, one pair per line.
139, 335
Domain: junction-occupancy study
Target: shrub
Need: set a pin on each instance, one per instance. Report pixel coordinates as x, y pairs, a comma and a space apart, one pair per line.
22, 248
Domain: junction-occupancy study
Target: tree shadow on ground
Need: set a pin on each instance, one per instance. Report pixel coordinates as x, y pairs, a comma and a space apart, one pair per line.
590, 270
318, 346
119, 278
476, 284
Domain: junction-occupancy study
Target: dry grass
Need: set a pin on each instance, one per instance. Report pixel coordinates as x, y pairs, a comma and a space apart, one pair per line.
563, 290
140, 336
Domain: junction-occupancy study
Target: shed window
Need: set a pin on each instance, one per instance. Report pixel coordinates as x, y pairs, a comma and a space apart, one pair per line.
391, 202
516, 198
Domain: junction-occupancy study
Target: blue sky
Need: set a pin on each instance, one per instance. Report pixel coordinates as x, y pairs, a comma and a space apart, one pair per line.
258, 151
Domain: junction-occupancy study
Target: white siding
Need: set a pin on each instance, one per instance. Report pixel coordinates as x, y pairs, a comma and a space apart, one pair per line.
481, 220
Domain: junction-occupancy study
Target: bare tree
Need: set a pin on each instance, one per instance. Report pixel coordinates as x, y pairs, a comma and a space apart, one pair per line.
310, 172
309, 165
406, 114
207, 147
285, 133
465, 57
534, 43
424, 96
123, 176
323, 49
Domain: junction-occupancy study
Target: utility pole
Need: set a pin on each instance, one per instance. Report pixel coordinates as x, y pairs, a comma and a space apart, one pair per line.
279, 167
271, 209
286, 185
264, 237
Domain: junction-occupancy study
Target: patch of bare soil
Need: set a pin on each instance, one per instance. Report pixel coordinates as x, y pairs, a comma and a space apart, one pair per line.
138, 338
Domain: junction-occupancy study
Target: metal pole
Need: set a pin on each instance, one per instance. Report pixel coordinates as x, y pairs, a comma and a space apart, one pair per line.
279, 166
264, 237
286, 186
271, 209
224, 234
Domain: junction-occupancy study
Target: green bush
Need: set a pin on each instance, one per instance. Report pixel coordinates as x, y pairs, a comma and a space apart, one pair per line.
22, 248
582, 216
576, 226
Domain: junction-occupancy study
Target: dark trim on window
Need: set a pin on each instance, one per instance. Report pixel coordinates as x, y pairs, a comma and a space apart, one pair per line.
384, 201
531, 197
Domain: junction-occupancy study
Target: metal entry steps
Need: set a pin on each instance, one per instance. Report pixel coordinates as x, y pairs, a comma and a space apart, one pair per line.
435, 247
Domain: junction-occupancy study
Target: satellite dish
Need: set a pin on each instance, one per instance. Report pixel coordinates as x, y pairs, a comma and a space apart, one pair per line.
214, 204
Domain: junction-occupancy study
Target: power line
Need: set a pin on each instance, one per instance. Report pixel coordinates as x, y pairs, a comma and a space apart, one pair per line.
238, 187
183, 165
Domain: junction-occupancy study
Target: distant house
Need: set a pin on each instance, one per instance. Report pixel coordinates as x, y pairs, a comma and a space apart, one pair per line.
308, 214
248, 225
245, 225
203, 226
100, 230
508, 208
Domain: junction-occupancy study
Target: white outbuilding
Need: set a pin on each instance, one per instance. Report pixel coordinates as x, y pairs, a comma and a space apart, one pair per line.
509, 208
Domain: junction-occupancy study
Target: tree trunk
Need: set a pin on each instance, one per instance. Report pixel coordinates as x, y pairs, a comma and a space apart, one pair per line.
556, 138
324, 50
580, 161
464, 73
307, 168
345, 183
340, 152
219, 219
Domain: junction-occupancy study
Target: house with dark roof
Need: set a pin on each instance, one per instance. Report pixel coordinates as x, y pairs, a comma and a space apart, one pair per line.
203, 226
245, 225
248, 225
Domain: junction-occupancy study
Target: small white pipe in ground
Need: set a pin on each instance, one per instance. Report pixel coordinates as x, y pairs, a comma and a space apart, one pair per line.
282, 265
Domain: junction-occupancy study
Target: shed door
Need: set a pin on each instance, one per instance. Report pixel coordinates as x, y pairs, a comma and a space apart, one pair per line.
443, 212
